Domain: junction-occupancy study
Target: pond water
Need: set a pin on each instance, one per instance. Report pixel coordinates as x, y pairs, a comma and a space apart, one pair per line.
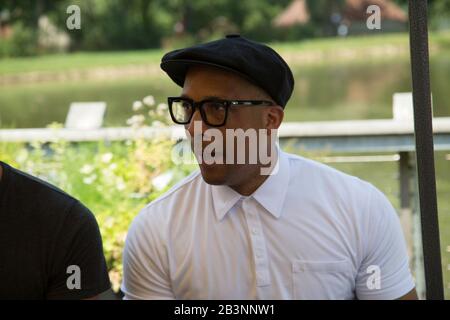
331, 92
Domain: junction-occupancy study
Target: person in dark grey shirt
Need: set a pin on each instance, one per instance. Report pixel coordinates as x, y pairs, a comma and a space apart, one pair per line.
50, 244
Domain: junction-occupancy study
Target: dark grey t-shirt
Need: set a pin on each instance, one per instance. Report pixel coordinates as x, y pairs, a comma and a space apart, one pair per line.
50, 244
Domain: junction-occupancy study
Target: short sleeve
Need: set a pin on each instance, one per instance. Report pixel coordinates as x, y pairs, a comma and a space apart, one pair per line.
78, 266
384, 273
145, 261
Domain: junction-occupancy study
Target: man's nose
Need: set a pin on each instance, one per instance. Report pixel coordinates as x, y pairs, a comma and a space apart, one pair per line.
190, 127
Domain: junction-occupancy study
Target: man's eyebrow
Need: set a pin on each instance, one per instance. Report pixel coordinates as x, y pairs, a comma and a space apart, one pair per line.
204, 98
213, 98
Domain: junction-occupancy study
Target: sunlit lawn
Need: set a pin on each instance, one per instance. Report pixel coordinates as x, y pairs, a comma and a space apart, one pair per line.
85, 60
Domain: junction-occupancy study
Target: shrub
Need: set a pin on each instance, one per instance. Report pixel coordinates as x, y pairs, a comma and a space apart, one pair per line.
114, 180
22, 42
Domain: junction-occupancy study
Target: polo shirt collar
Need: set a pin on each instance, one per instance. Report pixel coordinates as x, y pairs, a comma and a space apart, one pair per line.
271, 194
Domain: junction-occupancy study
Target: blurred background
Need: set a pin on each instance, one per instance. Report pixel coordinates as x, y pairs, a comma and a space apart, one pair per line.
343, 71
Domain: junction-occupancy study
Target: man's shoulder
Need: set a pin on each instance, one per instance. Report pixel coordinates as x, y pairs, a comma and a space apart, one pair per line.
340, 196
322, 172
33, 194
324, 183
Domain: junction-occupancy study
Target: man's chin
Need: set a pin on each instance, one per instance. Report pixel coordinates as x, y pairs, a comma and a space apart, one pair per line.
213, 173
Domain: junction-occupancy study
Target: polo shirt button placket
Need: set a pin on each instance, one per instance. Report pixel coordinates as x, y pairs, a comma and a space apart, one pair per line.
258, 245
260, 278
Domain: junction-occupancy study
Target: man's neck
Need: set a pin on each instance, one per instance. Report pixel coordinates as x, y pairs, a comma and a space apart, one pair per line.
247, 188
256, 179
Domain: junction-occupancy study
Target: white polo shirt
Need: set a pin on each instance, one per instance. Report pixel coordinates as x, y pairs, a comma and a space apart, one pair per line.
308, 232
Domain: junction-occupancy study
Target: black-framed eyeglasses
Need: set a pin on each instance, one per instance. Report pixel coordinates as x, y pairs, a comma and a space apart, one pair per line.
214, 112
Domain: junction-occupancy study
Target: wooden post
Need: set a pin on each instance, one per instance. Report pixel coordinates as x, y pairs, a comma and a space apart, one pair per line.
423, 128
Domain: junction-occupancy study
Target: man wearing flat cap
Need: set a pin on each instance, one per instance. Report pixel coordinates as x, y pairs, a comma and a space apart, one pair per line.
231, 230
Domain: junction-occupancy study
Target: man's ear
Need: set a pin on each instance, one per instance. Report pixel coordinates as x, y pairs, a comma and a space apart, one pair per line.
273, 117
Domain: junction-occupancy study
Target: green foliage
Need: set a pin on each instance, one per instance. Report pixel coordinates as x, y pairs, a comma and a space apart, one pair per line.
321, 12
123, 24
22, 44
140, 24
114, 180
440, 13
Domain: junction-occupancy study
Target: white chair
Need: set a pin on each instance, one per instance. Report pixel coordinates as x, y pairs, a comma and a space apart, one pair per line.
86, 115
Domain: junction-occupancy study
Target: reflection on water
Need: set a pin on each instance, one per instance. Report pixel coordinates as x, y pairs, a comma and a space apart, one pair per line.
332, 92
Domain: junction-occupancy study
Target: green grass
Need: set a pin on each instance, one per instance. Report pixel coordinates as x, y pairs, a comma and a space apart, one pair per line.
86, 60
80, 60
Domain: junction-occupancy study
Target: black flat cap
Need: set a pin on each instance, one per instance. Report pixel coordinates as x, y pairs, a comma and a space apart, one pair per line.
254, 61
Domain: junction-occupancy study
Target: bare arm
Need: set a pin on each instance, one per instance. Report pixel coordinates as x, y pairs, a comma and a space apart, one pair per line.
412, 295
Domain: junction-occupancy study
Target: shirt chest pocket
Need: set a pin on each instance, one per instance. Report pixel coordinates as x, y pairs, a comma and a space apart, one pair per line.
320, 280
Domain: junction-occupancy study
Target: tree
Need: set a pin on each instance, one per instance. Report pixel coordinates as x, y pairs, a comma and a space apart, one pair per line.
322, 13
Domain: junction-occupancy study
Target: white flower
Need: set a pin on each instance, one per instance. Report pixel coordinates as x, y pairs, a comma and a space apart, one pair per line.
87, 169
149, 101
137, 105
107, 174
106, 158
90, 179
135, 195
161, 181
120, 185
162, 107
22, 156
157, 124
136, 120
109, 222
